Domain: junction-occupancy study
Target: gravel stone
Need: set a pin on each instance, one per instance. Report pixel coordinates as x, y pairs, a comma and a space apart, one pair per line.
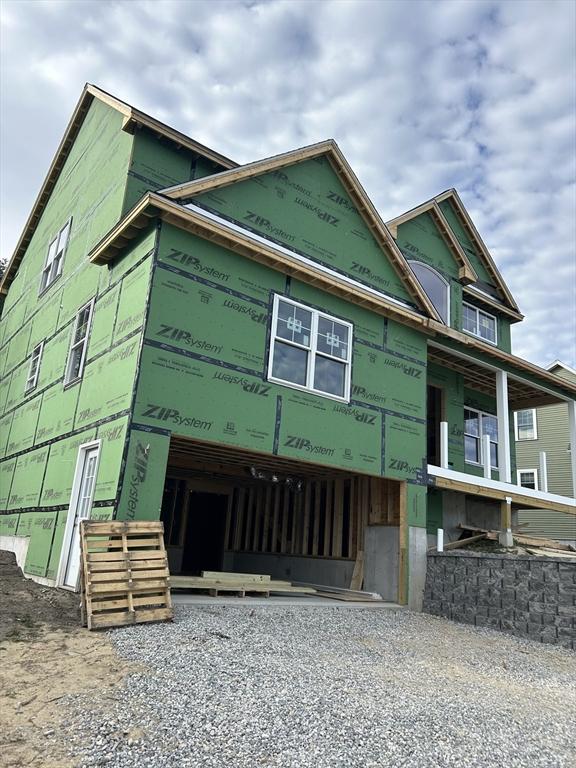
304, 687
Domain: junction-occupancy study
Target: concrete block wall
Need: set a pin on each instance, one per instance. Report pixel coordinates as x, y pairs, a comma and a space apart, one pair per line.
527, 596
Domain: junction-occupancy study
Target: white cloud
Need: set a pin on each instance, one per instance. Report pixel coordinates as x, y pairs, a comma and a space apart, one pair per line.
421, 96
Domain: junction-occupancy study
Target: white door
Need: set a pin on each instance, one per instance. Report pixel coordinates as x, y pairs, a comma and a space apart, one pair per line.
82, 495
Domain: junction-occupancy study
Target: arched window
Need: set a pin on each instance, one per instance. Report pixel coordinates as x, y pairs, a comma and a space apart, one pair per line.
436, 287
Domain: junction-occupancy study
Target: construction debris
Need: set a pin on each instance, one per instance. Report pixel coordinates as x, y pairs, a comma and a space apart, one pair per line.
524, 545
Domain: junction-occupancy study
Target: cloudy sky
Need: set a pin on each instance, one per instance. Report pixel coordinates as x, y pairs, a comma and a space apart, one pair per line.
421, 96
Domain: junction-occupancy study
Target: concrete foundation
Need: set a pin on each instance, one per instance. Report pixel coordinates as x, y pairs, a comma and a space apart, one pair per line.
381, 545
478, 513
18, 545
417, 546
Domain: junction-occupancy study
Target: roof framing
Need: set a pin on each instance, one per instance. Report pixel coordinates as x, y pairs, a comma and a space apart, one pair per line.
349, 180
474, 235
133, 119
154, 205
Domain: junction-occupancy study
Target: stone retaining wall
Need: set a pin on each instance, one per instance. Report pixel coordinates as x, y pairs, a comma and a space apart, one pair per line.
529, 596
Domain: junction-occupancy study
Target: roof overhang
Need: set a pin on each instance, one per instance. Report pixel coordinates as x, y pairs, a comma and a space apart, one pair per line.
522, 393
349, 180
154, 206
473, 233
479, 374
132, 119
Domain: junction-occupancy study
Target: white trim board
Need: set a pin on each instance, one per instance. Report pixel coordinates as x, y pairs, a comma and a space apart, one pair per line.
497, 485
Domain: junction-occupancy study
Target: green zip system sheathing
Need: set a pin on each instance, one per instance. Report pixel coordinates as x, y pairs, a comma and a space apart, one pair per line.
306, 208
157, 164
204, 375
45, 430
456, 398
419, 239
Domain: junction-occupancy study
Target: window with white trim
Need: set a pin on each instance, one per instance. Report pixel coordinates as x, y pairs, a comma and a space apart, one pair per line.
435, 286
528, 478
34, 370
310, 350
479, 323
476, 425
525, 424
55, 257
79, 344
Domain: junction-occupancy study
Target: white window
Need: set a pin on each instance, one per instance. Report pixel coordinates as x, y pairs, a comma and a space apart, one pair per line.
79, 344
435, 286
528, 478
310, 350
477, 424
525, 424
479, 323
34, 369
55, 257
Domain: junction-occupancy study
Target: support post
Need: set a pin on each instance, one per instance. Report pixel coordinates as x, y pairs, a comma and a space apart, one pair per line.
486, 456
572, 435
505, 536
440, 540
543, 472
444, 444
504, 466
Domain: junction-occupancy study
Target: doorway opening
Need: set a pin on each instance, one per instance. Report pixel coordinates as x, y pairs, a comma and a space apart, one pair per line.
204, 540
433, 419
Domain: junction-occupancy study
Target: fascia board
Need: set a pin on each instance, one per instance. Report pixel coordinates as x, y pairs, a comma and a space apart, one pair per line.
469, 224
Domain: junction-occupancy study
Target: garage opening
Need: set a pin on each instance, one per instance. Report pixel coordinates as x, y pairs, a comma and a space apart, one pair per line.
232, 510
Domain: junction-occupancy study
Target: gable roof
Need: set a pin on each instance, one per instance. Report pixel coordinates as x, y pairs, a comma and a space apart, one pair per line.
154, 206
199, 222
474, 235
563, 369
133, 118
466, 272
349, 180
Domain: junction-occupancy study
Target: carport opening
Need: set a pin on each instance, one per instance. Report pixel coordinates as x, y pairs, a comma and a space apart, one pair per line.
254, 513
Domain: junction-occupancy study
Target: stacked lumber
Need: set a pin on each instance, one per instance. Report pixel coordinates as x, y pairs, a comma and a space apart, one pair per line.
219, 582
340, 593
125, 575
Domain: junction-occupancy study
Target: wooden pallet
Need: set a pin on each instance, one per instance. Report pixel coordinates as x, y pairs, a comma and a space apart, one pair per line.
125, 575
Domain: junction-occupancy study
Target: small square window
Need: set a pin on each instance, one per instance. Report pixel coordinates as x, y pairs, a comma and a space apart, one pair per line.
310, 350
528, 478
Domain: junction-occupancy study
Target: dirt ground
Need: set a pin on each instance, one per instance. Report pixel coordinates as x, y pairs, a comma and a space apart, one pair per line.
45, 655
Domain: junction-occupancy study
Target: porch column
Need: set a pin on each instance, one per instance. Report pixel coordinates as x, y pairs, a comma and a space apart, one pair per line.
572, 436
503, 426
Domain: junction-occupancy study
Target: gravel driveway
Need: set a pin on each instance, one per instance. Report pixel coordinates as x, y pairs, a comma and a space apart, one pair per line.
301, 687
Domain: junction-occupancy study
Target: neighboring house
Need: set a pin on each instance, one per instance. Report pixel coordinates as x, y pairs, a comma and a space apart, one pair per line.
252, 355
545, 430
